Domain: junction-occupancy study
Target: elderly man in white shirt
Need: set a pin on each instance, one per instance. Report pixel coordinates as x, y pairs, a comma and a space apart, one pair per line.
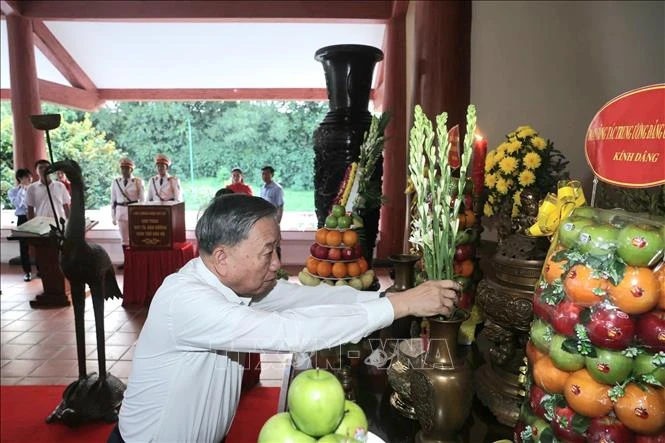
36, 197
187, 371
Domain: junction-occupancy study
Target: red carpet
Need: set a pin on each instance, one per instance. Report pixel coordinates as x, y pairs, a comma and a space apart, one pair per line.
23, 410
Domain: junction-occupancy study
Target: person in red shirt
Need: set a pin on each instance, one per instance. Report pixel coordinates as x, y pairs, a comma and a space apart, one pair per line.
237, 185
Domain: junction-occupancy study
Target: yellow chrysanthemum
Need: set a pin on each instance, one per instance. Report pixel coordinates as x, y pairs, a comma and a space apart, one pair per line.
513, 146
539, 143
490, 198
502, 186
517, 198
498, 154
525, 131
508, 165
490, 180
532, 160
527, 178
488, 210
515, 212
489, 161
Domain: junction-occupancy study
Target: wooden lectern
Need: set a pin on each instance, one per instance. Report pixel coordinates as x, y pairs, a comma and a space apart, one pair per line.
156, 225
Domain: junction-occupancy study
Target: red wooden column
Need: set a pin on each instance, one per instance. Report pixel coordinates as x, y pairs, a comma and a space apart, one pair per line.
393, 99
28, 142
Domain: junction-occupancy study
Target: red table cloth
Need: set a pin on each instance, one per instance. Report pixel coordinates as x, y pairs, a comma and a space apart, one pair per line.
146, 269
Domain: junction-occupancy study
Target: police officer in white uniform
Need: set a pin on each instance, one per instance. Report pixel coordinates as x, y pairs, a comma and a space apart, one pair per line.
164, 187
125, 189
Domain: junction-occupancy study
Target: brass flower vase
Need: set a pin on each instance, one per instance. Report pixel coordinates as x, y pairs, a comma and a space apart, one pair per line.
441, 390
405, 278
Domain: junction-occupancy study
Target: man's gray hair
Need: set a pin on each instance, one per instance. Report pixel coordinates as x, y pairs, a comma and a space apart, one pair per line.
228, 220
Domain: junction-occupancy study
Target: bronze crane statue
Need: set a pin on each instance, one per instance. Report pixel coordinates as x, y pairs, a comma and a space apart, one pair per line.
92, 396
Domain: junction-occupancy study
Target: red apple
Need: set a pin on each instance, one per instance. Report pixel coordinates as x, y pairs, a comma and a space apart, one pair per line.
357, 250
566, 433
640, 438
312, 249
542, 309
611, 328
536, 395
566, 315
334, 254
465, 300
651, 330
609, 430
348, 254
320, 252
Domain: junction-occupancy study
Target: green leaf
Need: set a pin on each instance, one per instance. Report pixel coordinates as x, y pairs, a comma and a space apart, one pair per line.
580, 423
650, 379
659, 359
527, 434
553, 294
631, 352
547, 436
616, 392
584, 345
585, 316
600, 292
570, 345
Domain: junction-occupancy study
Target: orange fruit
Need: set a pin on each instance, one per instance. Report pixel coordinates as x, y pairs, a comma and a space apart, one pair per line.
323, 269
339, 270
586, 396
548, 376
660, 276
333, 238
642, 411
638, 292
532, 353
363, 265
321, 235
350, 238
463, 268
470, 217
353, 269
579, 286
462, 221
312, 265
553, 269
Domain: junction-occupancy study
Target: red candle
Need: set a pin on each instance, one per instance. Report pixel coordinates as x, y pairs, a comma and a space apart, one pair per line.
478, 164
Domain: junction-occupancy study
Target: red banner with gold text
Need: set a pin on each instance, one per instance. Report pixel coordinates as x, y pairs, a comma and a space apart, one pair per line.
625, 142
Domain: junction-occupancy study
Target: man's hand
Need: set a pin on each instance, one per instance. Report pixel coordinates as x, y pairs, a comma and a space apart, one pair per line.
433, 297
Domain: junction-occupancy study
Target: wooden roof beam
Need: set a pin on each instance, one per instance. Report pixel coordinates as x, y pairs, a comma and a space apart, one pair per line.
368, 11
210, 94
68, 96
60, 58
10, 7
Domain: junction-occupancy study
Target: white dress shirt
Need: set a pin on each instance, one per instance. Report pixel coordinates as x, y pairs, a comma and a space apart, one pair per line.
186, 376
37, 197
166, 188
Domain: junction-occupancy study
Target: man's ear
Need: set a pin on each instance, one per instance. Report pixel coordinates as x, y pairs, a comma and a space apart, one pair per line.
220, 259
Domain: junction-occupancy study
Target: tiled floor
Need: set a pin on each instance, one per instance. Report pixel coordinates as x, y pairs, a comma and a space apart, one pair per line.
38, 346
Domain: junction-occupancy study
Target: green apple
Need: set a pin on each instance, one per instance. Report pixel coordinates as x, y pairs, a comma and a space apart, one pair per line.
337, 438
356, 283
640, 245
341, 283
316, 402
598, 240
344, 222
280, 429
569, 230
354, 423
562, 359
609, 367
338, 210
644, 365
585, 212
541, 335
331, 222
367, 278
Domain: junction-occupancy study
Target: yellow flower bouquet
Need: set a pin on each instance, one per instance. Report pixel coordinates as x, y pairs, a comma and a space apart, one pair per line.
523, 160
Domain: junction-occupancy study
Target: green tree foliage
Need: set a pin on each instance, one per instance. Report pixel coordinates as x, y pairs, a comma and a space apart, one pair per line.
77, 139
224, 135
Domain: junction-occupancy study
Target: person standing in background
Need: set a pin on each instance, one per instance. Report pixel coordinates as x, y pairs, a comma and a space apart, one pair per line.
17, 197
125, 190
237, 184
272, 191
36, 197
62, 178
164, 187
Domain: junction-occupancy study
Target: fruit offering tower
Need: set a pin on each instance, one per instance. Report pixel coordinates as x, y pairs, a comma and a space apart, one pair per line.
336, 255
597, 342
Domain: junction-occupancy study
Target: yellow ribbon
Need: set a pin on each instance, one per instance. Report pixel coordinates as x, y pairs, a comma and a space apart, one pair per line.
556, 208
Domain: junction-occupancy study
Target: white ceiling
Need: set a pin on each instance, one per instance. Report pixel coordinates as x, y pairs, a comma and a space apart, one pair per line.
196, 55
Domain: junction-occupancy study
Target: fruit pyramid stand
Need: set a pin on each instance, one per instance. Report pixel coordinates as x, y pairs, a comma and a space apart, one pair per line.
596, 354
336, 255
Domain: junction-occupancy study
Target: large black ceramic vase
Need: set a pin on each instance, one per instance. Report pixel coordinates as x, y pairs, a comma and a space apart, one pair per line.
348, 70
